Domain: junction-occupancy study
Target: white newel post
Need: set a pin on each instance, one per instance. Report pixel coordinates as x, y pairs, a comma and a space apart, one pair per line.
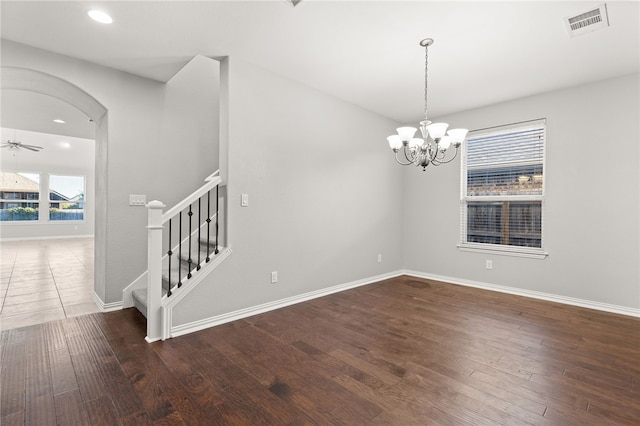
154, 271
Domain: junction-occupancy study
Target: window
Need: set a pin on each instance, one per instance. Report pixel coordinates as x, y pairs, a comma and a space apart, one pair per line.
502, 191
22, 198
66, 197
19, 196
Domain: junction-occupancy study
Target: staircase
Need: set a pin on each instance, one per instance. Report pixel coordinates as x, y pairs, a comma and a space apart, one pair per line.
207, 251
184, 246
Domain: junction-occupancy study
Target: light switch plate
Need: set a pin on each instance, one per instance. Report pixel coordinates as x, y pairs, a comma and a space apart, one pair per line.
244, 200
137, 200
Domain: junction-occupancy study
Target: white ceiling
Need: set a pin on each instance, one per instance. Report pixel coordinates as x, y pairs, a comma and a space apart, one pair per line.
365, 52
60, 154
36, 112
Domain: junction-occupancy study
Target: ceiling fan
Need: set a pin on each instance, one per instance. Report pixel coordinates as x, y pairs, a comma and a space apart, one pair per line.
15, 145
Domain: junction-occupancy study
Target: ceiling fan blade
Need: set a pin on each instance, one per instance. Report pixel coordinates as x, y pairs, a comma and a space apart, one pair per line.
29, 148
6, 146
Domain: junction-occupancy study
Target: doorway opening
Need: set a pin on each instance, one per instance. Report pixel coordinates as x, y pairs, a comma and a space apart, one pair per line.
56, 205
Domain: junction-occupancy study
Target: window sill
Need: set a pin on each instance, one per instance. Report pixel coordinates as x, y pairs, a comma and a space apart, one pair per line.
42, 222
531, 253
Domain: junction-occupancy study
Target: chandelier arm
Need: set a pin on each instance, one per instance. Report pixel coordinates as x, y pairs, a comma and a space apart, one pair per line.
439, 158
401, 163
433, 152
440, 155
412, 158
449, 160
406, 157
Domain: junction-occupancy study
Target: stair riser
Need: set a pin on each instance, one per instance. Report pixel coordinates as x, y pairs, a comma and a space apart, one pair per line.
140, 300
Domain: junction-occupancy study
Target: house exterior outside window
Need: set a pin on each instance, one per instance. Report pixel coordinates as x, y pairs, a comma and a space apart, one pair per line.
19, 196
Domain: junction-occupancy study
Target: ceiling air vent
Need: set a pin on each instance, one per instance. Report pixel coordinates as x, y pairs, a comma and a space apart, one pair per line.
586, 22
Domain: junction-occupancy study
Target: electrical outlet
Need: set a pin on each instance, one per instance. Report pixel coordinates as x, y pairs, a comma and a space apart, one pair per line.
488, 264
379, 258
274, 277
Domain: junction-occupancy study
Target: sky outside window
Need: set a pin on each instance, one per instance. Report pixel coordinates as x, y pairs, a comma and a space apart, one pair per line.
69, 186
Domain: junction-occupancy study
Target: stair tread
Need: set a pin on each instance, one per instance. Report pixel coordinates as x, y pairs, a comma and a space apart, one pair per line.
183, 266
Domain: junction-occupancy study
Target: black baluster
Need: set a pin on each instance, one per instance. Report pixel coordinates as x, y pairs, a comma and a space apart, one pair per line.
169, 253
208, 222
180, 252
189, 261
217, 214
199, 226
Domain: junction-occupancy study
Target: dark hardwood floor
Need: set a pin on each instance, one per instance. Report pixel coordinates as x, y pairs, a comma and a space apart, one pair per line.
400, 352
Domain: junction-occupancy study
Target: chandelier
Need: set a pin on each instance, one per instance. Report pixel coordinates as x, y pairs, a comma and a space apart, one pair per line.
433, 146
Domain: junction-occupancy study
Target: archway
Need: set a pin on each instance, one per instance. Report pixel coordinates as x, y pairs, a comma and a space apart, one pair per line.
46, 84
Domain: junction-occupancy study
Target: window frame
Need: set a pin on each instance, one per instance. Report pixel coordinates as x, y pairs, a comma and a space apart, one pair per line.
465, 199
50, 201
44, 201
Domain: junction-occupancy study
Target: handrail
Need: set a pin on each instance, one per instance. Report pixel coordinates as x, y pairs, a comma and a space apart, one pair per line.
212, 182
212, 176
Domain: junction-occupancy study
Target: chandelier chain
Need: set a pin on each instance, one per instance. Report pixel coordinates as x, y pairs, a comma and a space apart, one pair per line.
426, 68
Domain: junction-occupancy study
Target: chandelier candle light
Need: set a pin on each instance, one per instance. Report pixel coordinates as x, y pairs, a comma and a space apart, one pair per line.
432, 147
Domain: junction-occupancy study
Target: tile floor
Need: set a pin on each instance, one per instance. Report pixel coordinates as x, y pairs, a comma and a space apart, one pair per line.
45, 280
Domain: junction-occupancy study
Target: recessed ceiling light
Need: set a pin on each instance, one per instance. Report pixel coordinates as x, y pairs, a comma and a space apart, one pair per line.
100, 16
65, 145
57, 120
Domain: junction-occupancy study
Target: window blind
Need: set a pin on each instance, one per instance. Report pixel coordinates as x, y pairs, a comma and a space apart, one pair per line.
506, 161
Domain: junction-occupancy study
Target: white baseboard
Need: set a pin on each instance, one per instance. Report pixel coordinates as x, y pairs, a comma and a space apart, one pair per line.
270, 306
54, 237
590, 304
106, 307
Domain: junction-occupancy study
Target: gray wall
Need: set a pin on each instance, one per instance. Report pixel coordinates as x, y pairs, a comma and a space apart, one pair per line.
324, 195
154, 145
591, 216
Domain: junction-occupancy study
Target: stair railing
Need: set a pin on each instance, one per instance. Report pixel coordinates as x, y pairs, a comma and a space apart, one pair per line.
204, 202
